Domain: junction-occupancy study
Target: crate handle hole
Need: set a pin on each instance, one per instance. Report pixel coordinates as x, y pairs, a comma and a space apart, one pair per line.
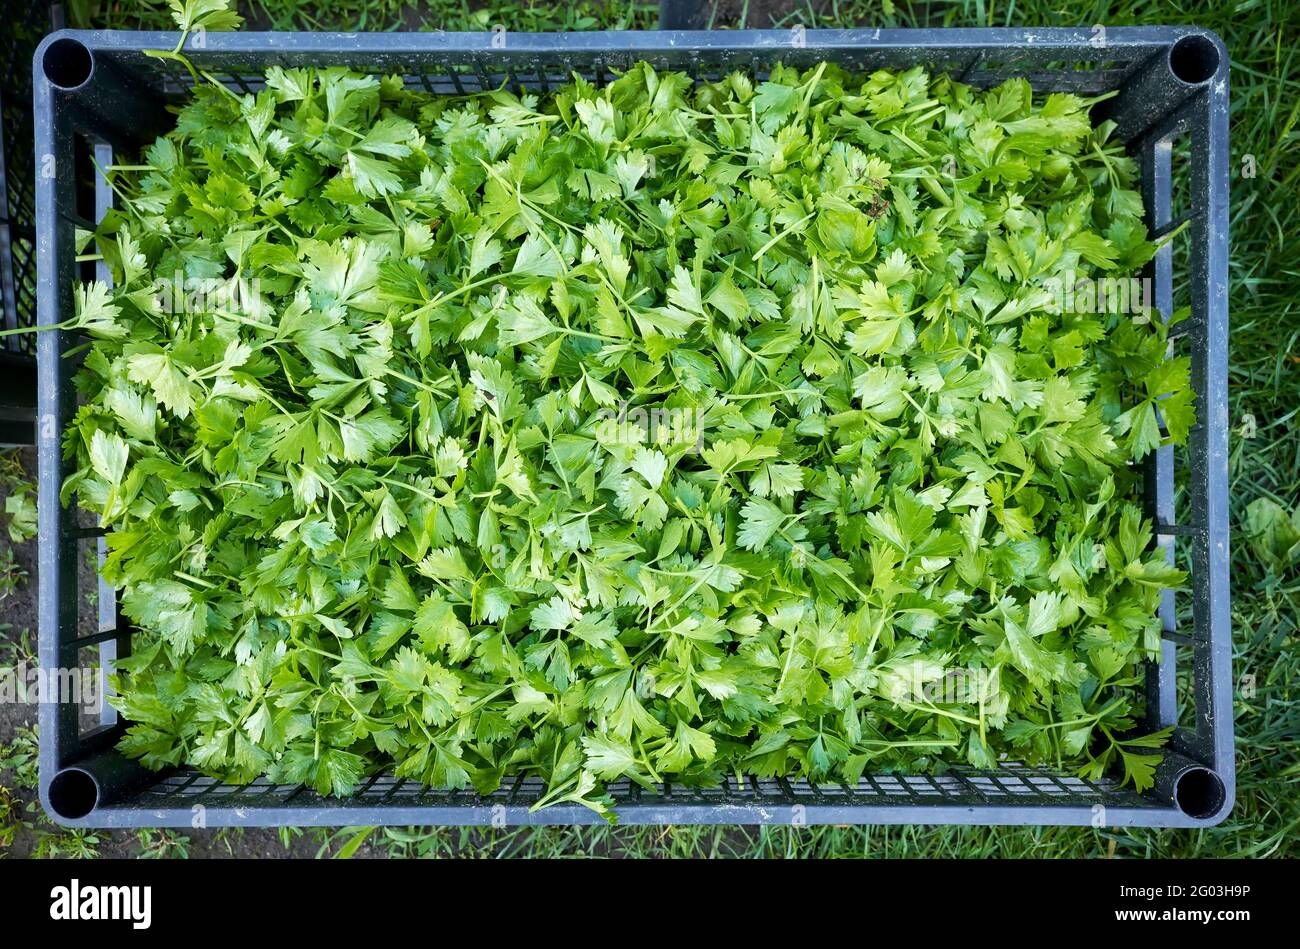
67, 63
73, 794
1199, 793
1194, 59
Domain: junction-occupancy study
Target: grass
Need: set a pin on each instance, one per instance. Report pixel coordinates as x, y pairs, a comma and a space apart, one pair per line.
383, 15
1263, 37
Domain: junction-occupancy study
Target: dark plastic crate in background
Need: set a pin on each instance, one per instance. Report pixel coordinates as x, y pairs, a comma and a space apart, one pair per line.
97, 90
25, 22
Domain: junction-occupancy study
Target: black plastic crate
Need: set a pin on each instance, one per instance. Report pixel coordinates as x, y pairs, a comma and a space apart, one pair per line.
25, 24
97, 91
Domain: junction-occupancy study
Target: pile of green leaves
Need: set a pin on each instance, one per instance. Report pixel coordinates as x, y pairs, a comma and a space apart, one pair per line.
385, 505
